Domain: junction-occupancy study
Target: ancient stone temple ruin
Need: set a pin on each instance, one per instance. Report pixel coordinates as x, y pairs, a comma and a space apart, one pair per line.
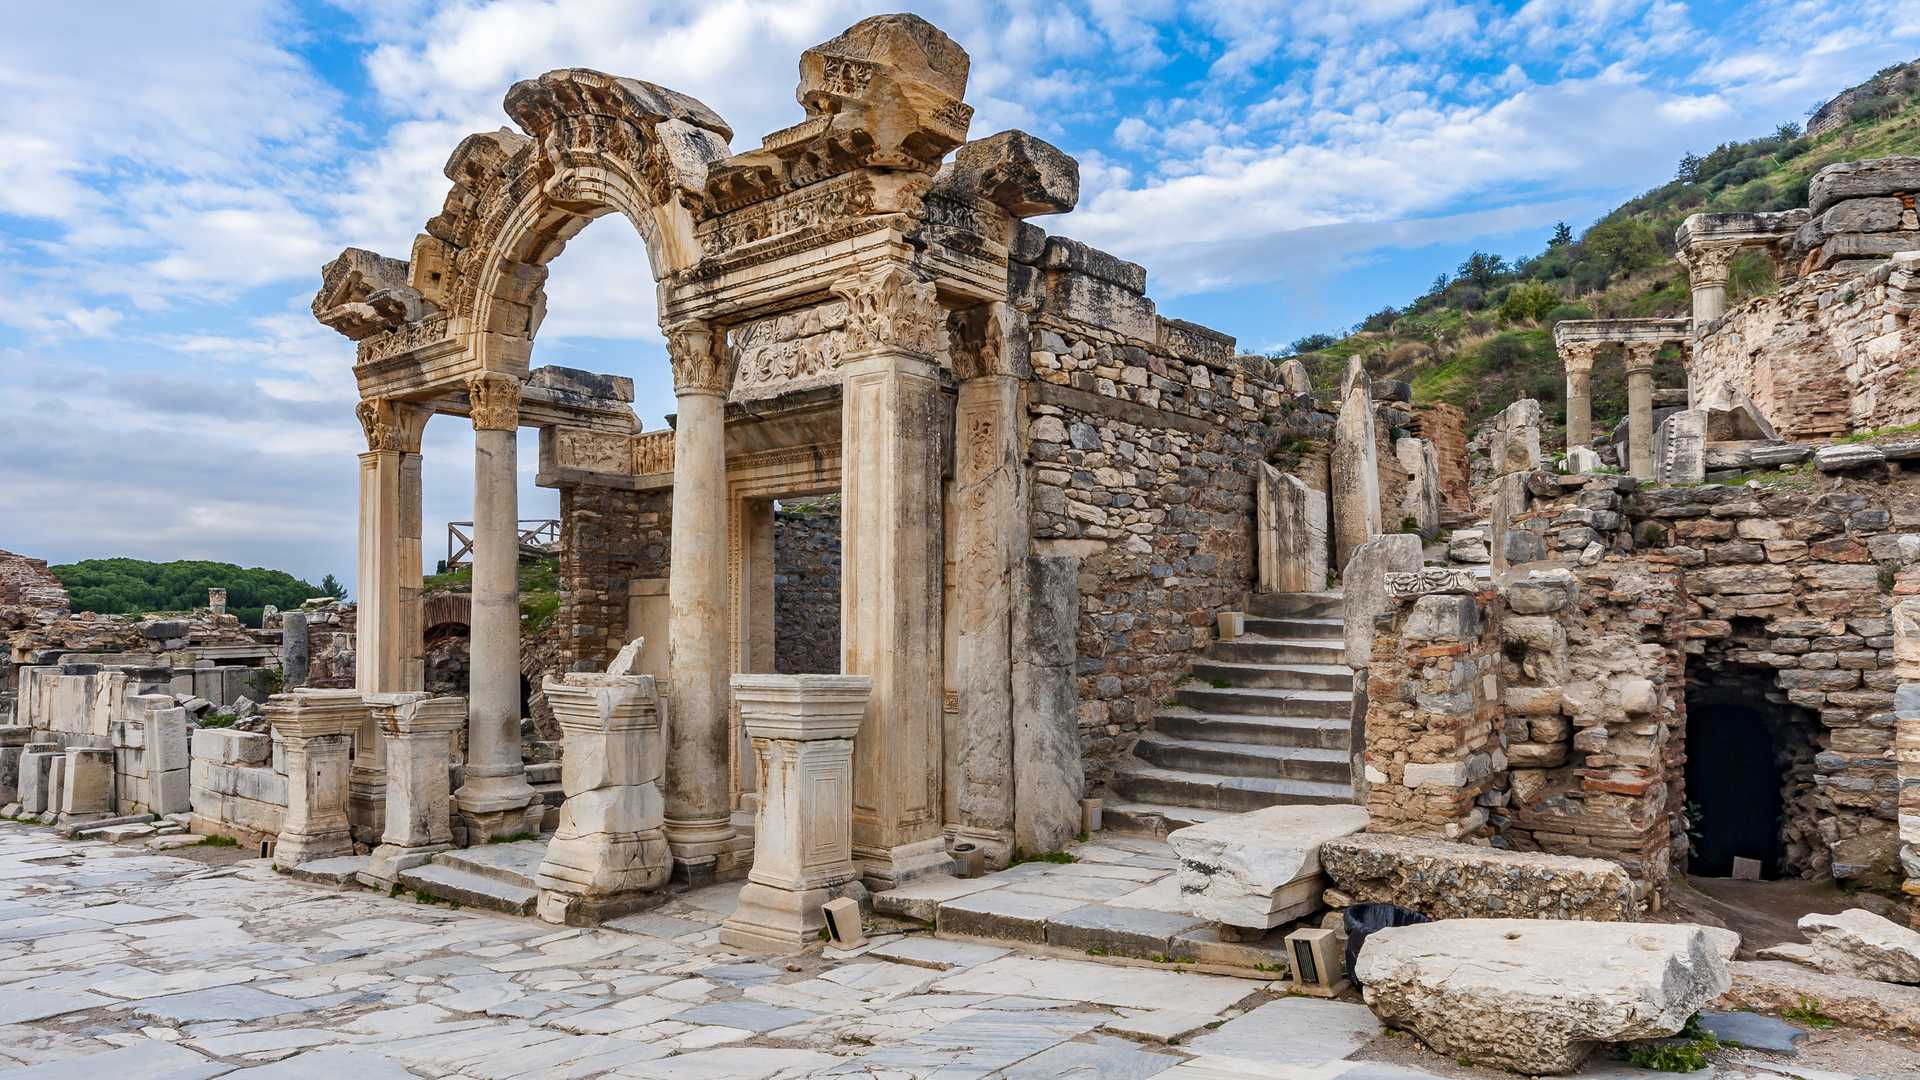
956, 554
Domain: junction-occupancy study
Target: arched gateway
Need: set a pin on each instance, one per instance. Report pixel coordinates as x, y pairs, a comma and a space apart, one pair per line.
841, 280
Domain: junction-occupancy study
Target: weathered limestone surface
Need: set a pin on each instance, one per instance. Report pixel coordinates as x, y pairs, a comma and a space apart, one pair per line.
1774, 986
1447, 880
1356, 472
1363, 583
1680, 448
1537, 996
1516, 438
318, 727
1291, 533
1047, 775
419, 731
1863, 945
1259, 869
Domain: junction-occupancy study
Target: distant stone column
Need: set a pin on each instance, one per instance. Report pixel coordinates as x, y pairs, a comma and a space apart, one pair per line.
1707, 272
699, 819
296, 650
802, 728
317, 728
610, 855
493, 801
418, 730
1640, 357
1356, 474
1578, 360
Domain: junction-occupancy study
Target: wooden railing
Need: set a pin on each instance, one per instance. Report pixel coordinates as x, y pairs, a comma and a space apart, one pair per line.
538, 536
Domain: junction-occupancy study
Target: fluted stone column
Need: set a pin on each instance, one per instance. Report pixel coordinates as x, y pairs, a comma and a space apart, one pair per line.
892, 420
494, 799
803, 728
699, 820
418, 730
1640, 359
317, 729
1579, 364
388, 651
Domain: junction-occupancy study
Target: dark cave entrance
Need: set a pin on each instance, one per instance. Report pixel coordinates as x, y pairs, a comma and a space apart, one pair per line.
1749, 769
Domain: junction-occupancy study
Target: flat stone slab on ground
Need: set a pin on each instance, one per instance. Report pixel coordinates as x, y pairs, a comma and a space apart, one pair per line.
144, 1061
1537, 995
219, 1003
1774, 985
1076, 980
1291, 1031
1248, 869
336, 871
1444, 879
939, 955
1000, 915
334, 1064
1105, 1057
1864, 945
922, 899
1751, 1030
1136, 932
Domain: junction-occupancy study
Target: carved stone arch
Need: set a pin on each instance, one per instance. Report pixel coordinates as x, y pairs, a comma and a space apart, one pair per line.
594, 144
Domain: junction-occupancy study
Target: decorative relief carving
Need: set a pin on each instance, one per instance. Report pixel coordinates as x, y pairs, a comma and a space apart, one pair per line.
788, 351
890, 310
392, 425
652, 453
698, 367
1432, 579
1707, 264
762, 230
495, 402
431, 330
593, 451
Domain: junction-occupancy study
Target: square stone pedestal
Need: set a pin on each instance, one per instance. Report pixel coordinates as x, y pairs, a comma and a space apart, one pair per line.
418, 730
317, 728
609, 855
802, 728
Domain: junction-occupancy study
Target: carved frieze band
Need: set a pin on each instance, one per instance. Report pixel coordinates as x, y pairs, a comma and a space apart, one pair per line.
790, 350
890, 310
698, 367
495, 402
1430, 580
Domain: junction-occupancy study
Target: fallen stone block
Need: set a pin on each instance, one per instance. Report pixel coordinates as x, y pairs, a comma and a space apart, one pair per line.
1446, 880
1261, 869
1863, 945
1775, 986
224, 746
1538, 995
1842, 458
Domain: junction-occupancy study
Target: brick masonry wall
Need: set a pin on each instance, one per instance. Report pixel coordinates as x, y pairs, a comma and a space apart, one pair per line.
608, 536
806, 587
1141, 463
1827, 355
1445, 426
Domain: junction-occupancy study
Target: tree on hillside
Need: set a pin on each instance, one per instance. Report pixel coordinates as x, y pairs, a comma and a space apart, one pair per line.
1482, 269
1562, 235
1787, 132
1312, 343
330, 587
137, 587
1689, 171
1440, 283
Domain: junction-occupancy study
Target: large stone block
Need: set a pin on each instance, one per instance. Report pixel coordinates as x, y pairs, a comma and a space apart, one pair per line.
224, 746
1862, 179
1537, 996
1447, 880
1261, 869
1863, 945
1356, 473
1290, 538
1364, 585
1047, 773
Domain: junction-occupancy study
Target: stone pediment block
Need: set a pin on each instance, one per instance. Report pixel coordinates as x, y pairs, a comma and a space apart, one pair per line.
1021, 174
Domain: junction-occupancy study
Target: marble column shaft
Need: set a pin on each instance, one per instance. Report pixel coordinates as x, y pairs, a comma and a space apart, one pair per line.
389, 651
1640, 360
494, 799
699, 822
1579, 365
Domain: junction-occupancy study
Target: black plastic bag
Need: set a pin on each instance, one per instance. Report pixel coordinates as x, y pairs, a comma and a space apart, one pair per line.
1364, 919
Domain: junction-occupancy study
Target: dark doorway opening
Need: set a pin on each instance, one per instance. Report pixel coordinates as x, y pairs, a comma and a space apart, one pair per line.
1749, 766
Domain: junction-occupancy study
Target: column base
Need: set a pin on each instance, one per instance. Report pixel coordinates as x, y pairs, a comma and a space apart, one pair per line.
703, 851
496, 806
488, 826
904, 864
775, 920
601, 868
367, 807
389, 861
290, 850
571, 909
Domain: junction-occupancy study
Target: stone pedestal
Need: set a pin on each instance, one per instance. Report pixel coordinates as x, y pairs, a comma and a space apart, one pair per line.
13, 740
317, 727
610, 855
88, 792
418, 731
699, 822
1640, 410
1290, 533
803, 728
495, 798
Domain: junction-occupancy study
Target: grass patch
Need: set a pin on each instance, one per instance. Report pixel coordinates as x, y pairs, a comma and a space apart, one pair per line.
1098, 950
219, 720
1880, 433
1808, 1014
421, 896
1687, 1053
1058, 858
512, 838
218, 841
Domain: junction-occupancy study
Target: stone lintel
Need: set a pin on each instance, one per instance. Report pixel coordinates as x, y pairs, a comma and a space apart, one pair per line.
1622, 331
1739, 229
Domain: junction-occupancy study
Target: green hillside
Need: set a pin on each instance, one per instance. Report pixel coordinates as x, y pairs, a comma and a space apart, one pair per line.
138, 587
1482, 335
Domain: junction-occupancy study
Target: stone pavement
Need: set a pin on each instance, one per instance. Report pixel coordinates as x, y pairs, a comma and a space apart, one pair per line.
119, 962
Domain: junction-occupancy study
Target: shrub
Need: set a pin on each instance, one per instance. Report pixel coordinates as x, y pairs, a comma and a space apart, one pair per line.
1529, 300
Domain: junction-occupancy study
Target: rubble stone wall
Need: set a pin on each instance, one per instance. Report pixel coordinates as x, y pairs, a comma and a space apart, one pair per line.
1830, 354
806, 587
608, 537
1141, 464
1445, 426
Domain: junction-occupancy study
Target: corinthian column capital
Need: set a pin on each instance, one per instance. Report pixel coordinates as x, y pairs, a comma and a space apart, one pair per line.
1641, 355
890, 310
495, 402
392, 425
1578, 359
1707, 264
701, 364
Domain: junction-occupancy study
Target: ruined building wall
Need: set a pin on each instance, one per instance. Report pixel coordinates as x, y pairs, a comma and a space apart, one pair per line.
806, 587
1445, 426
1827, 355
1141, 462
609, 537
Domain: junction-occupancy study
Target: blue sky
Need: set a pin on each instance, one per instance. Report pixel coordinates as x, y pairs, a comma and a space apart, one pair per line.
177, 173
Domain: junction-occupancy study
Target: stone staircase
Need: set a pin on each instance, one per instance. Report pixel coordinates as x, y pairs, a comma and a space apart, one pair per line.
497, 877
1265, 720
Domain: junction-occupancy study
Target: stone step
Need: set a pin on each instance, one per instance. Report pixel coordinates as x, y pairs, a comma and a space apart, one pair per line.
1151, 819
1137, 781
1330, 733
1297, 605
1241, 759
1264, 650
1322, 628
470, 889
1256, 701
1275, 676
510, 864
